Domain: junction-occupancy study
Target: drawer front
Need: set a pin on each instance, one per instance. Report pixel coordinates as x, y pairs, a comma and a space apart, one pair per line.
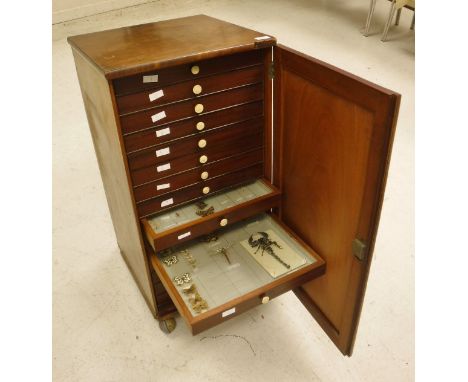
187, 162
161, 115
201, 144
158, 78
199, 190
162, 134
189, 89
193, 176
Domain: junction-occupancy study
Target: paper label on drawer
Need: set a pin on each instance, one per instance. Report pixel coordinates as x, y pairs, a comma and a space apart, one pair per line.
160, 133
162, 152
158, 116
148, 79
184, 235
163, 186
167, 202
261, 38
164, 167
155, 95
228, 312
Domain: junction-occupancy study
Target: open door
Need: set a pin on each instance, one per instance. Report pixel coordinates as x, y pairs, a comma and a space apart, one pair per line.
332, 141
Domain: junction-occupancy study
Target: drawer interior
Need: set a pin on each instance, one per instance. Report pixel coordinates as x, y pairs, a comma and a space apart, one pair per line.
218, 277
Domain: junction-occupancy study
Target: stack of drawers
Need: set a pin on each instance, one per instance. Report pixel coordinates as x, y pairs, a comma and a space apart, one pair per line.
192, 130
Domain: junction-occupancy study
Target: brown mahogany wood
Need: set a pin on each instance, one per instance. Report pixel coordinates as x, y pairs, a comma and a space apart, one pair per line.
223, 137
142, 48
335, 139
193, 176
143, 119
210, 223
214, 317
195, 191
108, 144
185, 90
187, 162
220, 118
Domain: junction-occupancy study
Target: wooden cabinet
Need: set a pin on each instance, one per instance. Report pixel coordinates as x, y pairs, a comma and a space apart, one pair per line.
288, 154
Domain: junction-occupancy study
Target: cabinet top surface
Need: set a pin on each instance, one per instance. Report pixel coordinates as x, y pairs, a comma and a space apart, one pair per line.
139, 48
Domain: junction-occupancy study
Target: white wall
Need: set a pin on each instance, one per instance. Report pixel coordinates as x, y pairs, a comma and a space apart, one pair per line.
63, 10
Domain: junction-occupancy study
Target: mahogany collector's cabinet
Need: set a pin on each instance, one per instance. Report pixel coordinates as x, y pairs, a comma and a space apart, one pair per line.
236, 169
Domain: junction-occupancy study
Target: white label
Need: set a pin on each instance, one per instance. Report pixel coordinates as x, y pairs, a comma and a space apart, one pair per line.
155, 95
167, 202
261, 38
160, 133
162, 152
163, 167
158, 116
184, 235
153, 78
163, 186
228, 312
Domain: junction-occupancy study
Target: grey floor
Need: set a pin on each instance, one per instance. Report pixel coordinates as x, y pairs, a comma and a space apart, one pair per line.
102, 328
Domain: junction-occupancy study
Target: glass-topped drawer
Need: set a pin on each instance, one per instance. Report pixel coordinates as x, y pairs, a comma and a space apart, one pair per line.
233, 269
224, 208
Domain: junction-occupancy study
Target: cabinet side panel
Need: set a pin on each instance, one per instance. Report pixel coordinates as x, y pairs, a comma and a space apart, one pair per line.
98, 101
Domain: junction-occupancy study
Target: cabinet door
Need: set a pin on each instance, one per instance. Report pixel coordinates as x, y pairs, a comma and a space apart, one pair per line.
332, 141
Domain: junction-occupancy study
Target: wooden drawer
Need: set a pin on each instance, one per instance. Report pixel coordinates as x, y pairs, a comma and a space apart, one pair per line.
199, 190
202, 144
193, 176
183, 223
200, 106
134, 84
189, 89
162, 134
231, 285
187, 162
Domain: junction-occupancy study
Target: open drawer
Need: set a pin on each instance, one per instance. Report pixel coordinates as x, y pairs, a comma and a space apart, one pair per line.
218, 278
181, 224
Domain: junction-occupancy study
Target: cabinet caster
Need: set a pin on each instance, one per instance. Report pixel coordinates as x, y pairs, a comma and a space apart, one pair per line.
168, 325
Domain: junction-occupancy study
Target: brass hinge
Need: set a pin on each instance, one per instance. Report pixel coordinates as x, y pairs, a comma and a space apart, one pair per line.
271, 70
359, 249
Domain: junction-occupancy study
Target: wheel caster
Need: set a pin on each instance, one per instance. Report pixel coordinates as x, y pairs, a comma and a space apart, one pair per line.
168, 325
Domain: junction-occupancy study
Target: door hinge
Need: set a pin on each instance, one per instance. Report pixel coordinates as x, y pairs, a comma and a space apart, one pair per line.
271, 70
359, 249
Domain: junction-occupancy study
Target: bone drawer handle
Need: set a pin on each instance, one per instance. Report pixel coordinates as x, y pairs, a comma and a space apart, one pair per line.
223, 222
198, 108
206, 190
202, 143
204, 175
197, 89
203, 159
195, 69
200, 126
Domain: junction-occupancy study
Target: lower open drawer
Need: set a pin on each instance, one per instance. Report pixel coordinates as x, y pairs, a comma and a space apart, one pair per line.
218, 277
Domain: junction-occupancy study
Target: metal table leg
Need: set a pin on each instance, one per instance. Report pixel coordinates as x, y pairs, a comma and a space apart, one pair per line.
369, 17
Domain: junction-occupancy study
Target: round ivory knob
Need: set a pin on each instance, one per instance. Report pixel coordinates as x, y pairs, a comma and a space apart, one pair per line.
200, 126
223, 222
204, 175
206, 190
202, 143
203, 159
265, 299
195, 69
197, 89
198, 108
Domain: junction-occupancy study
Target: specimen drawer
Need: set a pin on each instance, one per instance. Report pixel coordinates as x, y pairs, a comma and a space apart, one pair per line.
189, 89
212, 281
188, 162
197, 175
202, 144
168, 113
157, 78
192, 126
229, 206
199, 190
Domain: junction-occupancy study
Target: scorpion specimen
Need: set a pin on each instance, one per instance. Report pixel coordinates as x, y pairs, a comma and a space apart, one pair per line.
264, 243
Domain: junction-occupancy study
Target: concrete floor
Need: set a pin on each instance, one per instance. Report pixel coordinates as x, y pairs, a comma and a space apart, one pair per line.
102, 328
